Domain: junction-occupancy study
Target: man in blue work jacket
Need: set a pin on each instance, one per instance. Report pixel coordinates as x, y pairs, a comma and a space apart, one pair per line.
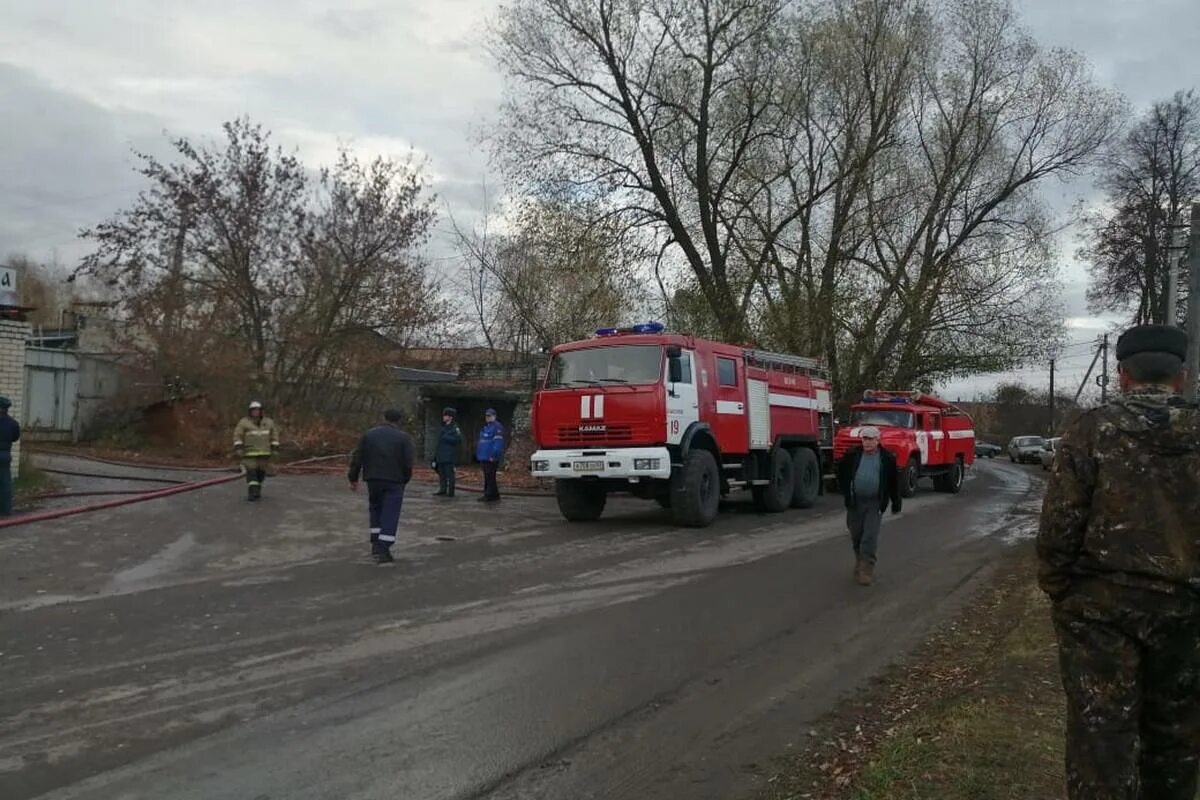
10, 432
489, 451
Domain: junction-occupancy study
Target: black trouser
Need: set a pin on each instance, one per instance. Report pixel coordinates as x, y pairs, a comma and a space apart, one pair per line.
490, 490
384, 501
446, 477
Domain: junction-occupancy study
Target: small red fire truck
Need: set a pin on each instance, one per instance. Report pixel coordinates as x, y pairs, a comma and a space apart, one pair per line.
928, 436
682, 421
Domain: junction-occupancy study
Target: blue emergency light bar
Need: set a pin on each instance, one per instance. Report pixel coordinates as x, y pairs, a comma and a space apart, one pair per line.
643, 327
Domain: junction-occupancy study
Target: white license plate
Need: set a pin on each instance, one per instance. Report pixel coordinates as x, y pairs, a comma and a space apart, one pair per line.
589, 466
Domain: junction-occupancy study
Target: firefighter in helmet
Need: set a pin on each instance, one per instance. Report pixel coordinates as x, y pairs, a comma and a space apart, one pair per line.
255, 440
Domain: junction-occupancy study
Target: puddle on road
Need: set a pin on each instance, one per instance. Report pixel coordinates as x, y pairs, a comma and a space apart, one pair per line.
161, 562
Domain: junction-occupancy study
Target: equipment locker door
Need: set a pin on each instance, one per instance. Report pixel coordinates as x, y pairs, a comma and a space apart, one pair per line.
731, 423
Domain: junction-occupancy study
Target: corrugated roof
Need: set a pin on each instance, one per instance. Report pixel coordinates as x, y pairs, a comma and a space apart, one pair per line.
414, 375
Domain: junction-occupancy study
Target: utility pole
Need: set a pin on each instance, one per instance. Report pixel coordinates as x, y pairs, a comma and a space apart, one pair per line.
1174, 248
1087, 374
1052, 397
1103, 379
1193, 309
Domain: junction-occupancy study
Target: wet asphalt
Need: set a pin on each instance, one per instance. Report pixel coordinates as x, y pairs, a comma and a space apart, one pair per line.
204, 647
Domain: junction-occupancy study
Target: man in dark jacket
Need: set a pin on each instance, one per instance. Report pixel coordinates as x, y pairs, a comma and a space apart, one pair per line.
10, 432
1119, 552
869, 481
384, 458
445, 458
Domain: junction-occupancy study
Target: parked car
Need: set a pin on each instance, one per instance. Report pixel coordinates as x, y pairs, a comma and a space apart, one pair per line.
1026, 449
987, 450
1048, 451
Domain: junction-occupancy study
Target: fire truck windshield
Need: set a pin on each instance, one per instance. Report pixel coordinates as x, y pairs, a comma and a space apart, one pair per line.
615, 364
880, 416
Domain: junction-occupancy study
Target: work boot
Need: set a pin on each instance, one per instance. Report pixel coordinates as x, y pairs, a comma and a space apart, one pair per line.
866, 573
857, 566
383, 558
440, 493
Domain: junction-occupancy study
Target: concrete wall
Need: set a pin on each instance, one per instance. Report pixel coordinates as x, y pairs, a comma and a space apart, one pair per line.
12, 374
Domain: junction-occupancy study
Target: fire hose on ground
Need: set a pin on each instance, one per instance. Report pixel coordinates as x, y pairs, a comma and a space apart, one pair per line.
305, 466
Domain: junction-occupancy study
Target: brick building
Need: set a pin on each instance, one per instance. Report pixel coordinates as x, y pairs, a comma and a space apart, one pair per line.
475, 387
13, 333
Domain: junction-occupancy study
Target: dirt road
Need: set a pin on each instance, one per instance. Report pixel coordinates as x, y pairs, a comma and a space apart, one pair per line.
205, 647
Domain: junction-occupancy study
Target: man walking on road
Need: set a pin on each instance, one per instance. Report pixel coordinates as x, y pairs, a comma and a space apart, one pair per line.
10, 432
445, 458
384, 458
488, 451
255, 440
1119, 552
869, 481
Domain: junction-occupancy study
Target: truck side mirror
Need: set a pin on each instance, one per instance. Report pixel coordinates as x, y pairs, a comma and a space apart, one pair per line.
674, 369
674, 364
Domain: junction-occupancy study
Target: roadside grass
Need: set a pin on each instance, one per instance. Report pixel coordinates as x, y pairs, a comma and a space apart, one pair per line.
976, 714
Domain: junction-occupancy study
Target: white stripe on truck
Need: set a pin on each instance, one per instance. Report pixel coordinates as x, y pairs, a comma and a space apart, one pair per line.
791, 401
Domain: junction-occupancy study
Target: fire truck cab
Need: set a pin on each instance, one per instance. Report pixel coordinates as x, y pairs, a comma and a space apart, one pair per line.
680, 420
928, 436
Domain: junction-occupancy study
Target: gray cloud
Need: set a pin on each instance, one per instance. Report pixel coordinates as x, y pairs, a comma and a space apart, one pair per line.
62, 160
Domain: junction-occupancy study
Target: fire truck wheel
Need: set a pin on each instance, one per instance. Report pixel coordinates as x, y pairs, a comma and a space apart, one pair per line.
696, 490
580, 501
910, 476
952, 480
777, 495
807, 471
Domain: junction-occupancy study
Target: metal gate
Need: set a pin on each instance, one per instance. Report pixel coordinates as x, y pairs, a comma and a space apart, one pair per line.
51, 393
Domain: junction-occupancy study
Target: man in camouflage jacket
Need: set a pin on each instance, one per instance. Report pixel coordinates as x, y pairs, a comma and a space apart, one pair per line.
1119, 551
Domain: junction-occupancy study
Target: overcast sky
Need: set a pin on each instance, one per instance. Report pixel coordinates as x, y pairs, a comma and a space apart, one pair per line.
83, 82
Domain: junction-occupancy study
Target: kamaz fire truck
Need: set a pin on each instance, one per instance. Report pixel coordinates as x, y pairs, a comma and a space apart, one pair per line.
928, 436
682, 421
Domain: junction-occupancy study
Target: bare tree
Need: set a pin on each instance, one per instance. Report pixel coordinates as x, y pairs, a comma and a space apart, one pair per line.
244, 272
854, 179
1149, 178
557, 274
654, 104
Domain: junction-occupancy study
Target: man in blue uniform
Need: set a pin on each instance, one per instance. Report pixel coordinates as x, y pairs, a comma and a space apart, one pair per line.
488, 452
10, 432
384, 458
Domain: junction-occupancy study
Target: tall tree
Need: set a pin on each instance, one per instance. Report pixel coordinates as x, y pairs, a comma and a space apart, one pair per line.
1149, 178
854, 179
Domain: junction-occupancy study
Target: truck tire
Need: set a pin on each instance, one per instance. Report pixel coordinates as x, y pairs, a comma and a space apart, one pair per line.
909, 477
777, 495
806, 468
696, 490
580, 501
951, 480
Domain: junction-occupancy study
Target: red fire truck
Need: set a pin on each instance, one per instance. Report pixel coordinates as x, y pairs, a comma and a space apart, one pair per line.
928, 436
682, 421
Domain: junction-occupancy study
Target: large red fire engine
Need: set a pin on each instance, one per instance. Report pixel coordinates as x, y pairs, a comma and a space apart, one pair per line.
680, 420
928, 436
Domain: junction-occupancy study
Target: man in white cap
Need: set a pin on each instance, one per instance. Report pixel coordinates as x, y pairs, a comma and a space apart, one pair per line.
869, 481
